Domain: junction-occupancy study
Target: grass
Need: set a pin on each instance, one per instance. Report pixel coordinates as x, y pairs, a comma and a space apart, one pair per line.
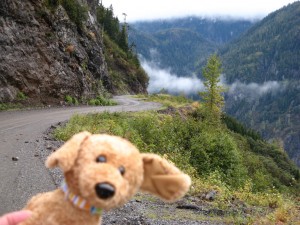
9, 106
21, 96
100, 100
167, 100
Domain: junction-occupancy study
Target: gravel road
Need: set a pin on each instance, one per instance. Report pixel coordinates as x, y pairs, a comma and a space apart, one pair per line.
22, 172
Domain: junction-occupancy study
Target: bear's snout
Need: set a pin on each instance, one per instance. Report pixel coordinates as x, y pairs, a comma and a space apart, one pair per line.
105, 190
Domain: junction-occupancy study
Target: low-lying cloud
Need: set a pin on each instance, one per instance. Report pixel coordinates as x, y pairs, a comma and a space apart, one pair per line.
165, 79
253, 90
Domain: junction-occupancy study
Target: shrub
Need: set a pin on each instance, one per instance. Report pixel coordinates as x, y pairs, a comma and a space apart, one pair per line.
21, 96
8, 106
195, 147
75, 101
75, 11
100, 100
92, 102
213, 151
71, 100
52, 3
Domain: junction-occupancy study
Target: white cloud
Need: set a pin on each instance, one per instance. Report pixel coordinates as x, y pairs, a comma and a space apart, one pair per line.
161, 9
164, 79
253, 90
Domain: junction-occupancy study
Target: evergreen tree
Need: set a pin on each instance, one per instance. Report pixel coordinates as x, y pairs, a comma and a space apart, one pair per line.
212, 97
123, 40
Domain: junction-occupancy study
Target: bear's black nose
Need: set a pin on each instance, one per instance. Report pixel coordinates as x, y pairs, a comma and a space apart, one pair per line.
104, 190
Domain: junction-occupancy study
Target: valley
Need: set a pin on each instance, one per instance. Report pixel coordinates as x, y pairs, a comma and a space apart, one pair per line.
260, 60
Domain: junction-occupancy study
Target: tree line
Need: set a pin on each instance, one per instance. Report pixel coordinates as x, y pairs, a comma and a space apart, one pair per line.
112, 26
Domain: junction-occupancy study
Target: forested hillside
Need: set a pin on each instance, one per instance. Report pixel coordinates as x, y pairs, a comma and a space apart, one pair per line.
266, 62
267, 51
183, 45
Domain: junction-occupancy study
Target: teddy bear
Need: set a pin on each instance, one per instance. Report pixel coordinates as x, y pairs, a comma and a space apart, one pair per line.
102, 172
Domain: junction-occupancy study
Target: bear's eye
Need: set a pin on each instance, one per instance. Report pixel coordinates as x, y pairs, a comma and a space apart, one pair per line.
122, 170
101, 159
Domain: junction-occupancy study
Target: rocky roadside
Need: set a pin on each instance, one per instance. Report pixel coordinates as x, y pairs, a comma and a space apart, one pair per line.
145, 209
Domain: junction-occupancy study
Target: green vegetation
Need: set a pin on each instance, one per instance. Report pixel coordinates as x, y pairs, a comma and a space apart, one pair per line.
76, 12
237, 127
184, 44
124, 67
100, 100
212, 96
52, 3
254, 172
269, 51
167, 100
21, 96
127, 74
8, 106
111, 25
71, 100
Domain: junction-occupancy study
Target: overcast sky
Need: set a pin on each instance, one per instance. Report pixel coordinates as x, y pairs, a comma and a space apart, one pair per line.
159, 9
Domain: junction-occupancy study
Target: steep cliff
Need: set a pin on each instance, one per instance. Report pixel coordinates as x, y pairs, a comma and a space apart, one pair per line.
46, 56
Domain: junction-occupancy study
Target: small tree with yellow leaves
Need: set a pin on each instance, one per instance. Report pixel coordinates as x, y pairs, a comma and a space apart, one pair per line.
212, 96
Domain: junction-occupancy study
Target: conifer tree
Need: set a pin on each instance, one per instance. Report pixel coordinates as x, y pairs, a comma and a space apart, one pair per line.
123, 40
212, 96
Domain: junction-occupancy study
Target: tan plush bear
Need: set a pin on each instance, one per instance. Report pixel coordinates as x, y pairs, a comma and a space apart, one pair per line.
102, 172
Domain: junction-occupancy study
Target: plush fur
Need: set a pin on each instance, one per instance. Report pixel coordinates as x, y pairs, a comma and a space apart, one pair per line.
89, 160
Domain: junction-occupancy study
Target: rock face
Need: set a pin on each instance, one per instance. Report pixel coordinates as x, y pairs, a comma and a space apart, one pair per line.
46, 56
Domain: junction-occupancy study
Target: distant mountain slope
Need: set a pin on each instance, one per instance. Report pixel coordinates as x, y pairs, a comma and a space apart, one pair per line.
176, 48
216, 30
183, 44
266, 59
267, 51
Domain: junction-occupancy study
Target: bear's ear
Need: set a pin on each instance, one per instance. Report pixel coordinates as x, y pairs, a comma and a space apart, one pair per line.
66, 155
163, 179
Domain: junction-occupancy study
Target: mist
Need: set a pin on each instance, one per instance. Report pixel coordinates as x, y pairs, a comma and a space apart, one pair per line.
253, 90
164, 79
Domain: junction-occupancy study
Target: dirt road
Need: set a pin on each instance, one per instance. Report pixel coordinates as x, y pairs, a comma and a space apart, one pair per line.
22, 173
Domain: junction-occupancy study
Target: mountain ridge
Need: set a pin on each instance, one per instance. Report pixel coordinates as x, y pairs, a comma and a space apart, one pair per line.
205, 36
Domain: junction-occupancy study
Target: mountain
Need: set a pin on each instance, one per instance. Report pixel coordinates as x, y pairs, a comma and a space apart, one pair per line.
263, 66
51, 49
267, 51
183, 44
171, 49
